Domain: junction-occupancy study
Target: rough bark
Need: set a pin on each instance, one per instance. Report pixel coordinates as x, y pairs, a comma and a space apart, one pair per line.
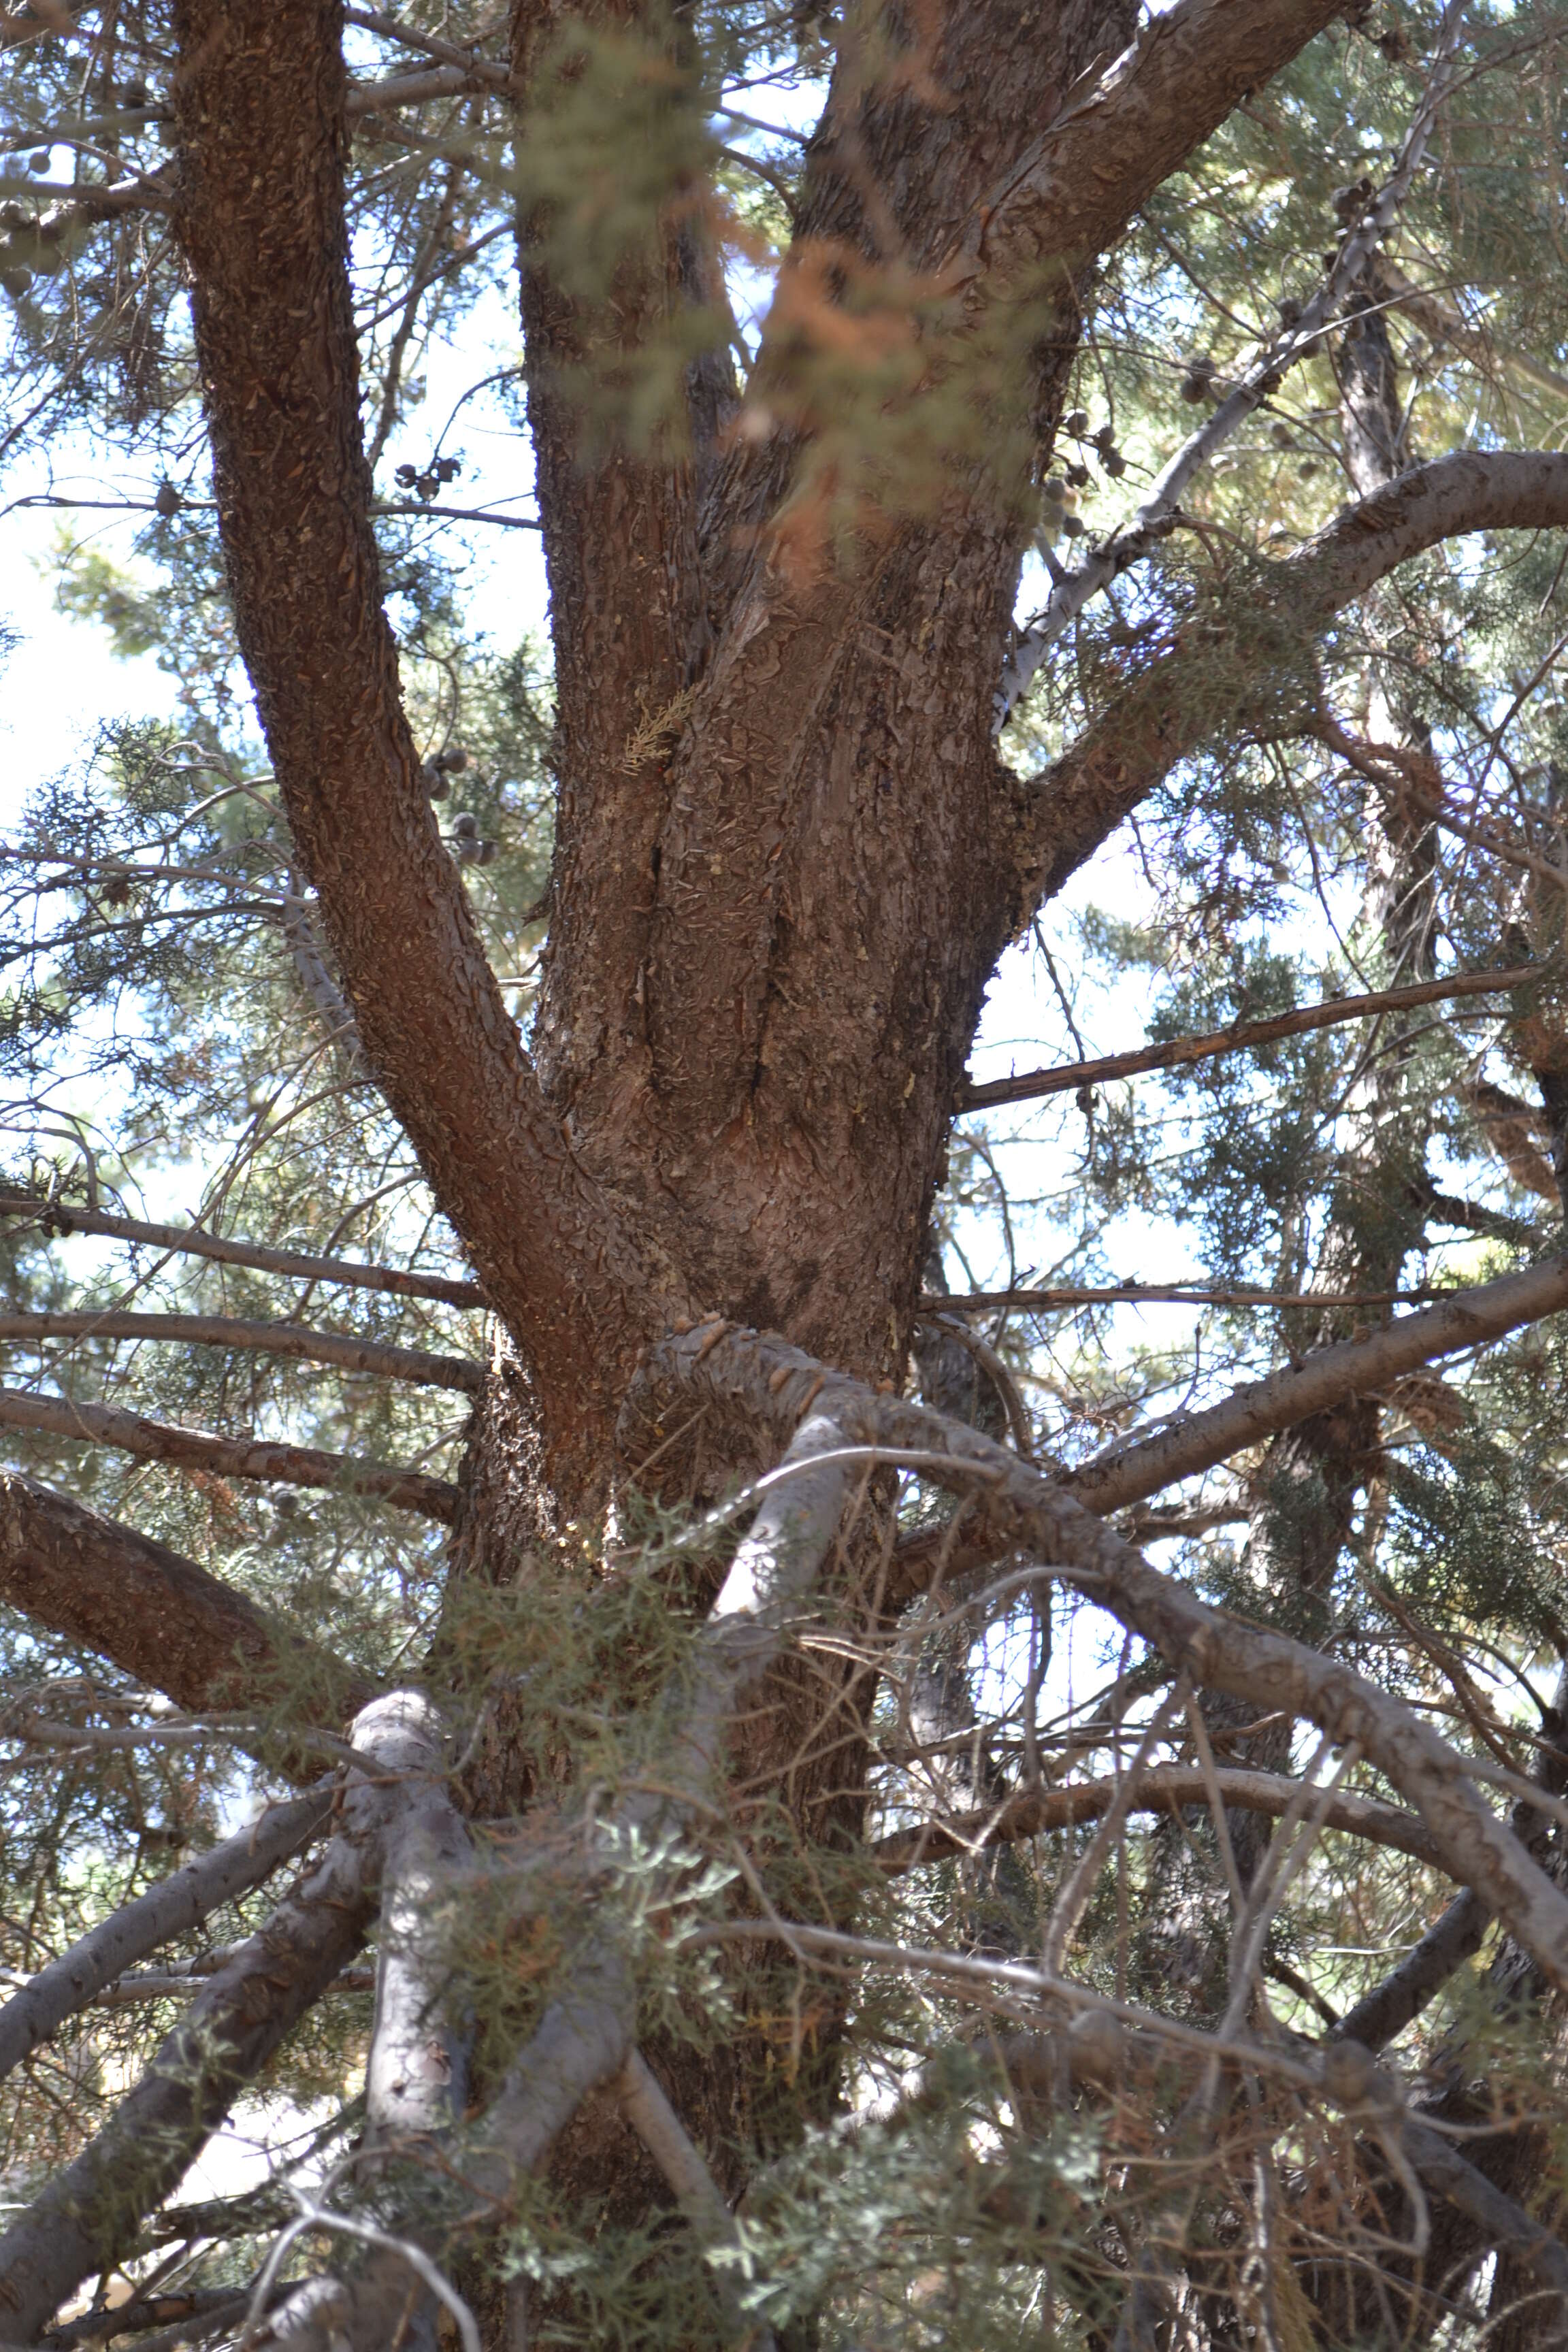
266, 251
158, 1616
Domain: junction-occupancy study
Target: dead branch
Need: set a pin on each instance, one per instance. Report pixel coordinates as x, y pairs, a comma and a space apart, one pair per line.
88, 2216
739, 1370
175, 1908
56, 1217
227, 1457
351, 1355
1159, 1789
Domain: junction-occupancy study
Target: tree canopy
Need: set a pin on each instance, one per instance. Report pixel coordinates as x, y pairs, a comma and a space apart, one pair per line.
701, 1642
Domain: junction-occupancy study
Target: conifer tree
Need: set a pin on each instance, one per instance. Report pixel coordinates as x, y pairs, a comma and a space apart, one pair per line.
720, 1672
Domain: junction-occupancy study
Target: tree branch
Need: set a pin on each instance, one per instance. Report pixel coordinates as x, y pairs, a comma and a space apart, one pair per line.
56, 1217
227, 1457
1179, 700
172, 1908
90, 2214
1242, 1037
350, 1354
158, 1616
739, 1370
1076, 185
1469, 1319
1160, 509
267, 250
416, 2071
1164, 1787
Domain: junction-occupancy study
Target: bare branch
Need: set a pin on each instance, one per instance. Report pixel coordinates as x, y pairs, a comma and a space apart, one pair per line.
1242, 1037
739, 1370
266, 1338
85, 2217
1166, 710
650, 2115
228, 1457
416, 2074
156, 1615
1453, 1939
1502, 2221
1158, 1789
56, 1217
1445, 325
1468, 1318
175, 1908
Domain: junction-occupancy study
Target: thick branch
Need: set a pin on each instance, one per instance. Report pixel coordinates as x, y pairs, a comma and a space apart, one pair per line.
267, 249
227, 1457
1501, 2220
739, 1370
1074, 187
1325, 1378
91, 2214
1452, 1939
1179, 701
156, 1615
190, 1241
266, 1338
172, 1908
1242, 1037
1164, 1789
416, 2071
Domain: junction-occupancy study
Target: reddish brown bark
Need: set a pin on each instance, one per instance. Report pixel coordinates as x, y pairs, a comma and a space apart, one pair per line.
267, 250
789, 853
158, 1616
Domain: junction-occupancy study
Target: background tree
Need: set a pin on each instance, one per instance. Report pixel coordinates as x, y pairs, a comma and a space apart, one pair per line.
548, 1397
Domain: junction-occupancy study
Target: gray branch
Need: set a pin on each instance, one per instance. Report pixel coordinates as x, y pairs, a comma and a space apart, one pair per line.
174, 1907
417, 2070
88, 2215
743, 1370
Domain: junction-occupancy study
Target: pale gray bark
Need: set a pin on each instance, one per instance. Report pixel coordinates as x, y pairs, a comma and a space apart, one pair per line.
88, 2215
174, 1907
416, 2076
1159, 1789
1213, 1648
